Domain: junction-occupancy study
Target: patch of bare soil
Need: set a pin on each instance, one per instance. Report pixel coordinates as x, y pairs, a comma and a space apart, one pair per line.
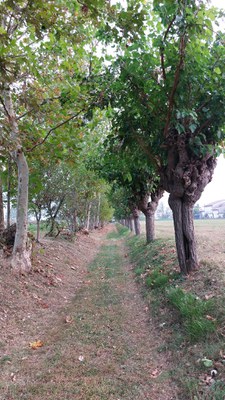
96, 340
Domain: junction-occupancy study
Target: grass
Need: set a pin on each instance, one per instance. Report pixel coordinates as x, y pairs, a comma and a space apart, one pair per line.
192, 324
97, 332
121, 231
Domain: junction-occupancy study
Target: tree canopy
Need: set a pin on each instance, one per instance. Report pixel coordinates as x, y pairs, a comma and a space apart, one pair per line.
137, 87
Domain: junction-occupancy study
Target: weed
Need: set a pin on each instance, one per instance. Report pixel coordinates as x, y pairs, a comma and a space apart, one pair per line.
156, 280
193, 313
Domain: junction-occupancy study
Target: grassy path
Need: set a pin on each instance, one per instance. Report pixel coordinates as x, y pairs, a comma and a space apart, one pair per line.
106, 349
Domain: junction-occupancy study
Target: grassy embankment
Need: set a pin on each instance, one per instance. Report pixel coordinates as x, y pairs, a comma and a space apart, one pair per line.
189, 310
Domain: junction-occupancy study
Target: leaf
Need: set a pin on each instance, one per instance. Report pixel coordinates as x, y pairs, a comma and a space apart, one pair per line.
217, 71
35, 345
155, 373
68, 319
207, 363
192, 127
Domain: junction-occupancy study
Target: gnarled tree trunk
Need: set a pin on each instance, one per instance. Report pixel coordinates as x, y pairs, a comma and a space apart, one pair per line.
185, 178
149, 208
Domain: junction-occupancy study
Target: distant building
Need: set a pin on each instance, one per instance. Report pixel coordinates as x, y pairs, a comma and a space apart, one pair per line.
215, 209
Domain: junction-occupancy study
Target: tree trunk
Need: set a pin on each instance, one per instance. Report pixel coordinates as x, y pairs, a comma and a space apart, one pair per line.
38, 219
21, 258
137, 225
9, 192
184, 234
185, 176
149, 208
150, 225
131, 224
88, 216
2, 225
97, 222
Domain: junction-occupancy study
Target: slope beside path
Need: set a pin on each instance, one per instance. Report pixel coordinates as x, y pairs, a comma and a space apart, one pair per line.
92, 325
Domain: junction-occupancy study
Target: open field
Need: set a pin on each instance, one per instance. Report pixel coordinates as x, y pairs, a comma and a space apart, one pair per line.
210, 235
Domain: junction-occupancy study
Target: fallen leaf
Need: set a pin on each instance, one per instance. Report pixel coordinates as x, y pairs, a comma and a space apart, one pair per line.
81, 358
207, 363
35, 345
155, 373
210, 318
68, 319
209, 296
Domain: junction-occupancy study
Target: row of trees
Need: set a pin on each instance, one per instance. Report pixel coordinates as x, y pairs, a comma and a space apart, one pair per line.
168, 101
147, 77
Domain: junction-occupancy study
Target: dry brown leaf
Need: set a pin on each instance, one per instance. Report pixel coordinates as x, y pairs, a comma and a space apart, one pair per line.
68, 319
209, 296
210, 318
35, 345
155, 373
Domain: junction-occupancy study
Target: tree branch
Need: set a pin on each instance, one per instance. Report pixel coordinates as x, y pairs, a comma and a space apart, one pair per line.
4, 106
162, 48
175, 84
54, 128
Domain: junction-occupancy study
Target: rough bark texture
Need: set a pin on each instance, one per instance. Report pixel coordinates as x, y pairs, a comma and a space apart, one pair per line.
185, 178
148, 208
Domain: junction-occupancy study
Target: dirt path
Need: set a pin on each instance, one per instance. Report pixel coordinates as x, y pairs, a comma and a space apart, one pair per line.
100, 346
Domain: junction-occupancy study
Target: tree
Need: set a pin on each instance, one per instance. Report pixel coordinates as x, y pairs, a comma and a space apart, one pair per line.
42, 88
170, 92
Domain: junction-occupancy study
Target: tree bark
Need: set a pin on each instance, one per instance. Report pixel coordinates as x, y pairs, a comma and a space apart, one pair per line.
149, 208
137, 225
21, 258
185, 177
2, 224
131, 223
184, 234
87, 225
150, 225
9, 192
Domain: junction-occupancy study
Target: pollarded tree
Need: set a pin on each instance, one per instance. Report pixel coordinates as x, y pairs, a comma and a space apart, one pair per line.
170, 84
